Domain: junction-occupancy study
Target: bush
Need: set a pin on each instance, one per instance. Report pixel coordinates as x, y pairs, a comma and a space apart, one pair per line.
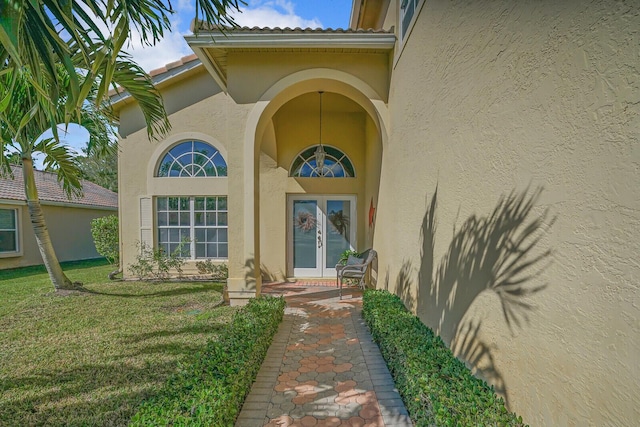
153, 263
209, 389
217, 271
105, 236
436, 387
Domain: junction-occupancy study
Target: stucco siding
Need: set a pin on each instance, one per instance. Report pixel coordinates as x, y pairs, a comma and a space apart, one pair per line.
69, 229
495, 98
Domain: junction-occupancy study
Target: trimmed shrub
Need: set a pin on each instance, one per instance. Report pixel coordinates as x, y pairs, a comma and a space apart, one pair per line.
210, 388
436, 387
105, 236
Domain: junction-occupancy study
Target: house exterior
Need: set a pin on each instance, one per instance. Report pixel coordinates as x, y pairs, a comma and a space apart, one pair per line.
487, 150
68, 220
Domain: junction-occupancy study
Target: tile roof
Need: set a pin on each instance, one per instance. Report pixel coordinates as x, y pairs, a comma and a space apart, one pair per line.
270, 30
49, 190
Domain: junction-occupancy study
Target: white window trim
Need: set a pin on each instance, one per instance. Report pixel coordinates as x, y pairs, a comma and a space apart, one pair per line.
403, 39
18, 216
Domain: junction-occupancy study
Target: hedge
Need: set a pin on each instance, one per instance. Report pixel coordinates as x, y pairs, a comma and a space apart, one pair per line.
436, 387
210, 388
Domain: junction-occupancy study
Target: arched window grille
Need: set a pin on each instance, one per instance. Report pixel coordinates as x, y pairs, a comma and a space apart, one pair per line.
192, 159
336, 164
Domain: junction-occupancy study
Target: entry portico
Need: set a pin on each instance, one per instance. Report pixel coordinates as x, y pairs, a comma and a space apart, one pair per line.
257, 97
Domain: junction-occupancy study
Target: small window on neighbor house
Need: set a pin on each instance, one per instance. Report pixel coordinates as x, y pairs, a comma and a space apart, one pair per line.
336, 164
8, 230
192, 159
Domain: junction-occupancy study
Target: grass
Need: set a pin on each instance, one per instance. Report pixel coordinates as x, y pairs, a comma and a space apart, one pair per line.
91, 358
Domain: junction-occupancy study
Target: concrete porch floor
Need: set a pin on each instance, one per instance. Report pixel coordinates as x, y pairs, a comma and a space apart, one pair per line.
322, 368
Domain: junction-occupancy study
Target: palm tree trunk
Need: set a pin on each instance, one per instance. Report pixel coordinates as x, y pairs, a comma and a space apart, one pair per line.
58, 278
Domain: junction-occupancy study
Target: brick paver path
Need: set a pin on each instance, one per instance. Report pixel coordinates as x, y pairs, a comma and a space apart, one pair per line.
322, 368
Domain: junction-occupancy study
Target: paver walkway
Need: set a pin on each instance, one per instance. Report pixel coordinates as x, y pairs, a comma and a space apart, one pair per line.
322, 368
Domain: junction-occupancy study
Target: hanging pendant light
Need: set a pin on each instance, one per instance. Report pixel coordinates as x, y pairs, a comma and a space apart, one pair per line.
320, 154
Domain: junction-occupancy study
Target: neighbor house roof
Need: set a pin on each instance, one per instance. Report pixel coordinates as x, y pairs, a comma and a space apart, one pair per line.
213, 44
50, 191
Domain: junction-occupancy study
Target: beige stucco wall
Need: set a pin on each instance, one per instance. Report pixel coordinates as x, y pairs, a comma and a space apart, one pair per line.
69, 229
215, 119
489, 98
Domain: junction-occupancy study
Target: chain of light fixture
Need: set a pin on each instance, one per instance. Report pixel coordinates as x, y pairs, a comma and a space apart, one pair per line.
320, 154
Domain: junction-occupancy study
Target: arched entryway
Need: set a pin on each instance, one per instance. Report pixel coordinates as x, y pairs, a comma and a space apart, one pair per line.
280, 128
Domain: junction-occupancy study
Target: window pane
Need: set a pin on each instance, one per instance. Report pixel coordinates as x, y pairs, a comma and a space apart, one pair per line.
162, 203
173, 218
212, 235
185, 235
173, 203
212, 251
185, 218
8, 241
165, 248
174, 235
222, 218
200, 250
223, 250
211, 218
163, 170
176, 169
201, 235
199, 218
163, 218
199, 203
211, 203
222, 235
184, 203
7, 219
173, 247
163, 235
182, 148
222, 203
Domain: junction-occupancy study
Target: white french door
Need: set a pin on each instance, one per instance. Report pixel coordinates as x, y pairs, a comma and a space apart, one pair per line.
321, 228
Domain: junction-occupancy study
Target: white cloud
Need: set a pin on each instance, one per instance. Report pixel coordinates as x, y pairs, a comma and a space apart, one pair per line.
258, 13
276, 13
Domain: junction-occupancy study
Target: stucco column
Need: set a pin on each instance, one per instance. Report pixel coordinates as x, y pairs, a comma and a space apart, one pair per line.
245, 279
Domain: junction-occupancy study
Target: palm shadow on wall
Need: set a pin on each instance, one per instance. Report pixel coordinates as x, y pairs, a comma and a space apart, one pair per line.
498, 253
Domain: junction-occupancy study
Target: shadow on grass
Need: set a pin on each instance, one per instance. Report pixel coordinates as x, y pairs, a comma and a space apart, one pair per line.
91, 394
34, 270
208, 287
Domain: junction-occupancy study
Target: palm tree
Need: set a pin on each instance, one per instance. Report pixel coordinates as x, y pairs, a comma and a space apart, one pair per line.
26, 118
39, 35
57, 65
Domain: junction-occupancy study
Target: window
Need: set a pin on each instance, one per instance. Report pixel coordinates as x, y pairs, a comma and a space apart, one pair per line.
8, 231
192, 159
196, 227
408, 9
336, 164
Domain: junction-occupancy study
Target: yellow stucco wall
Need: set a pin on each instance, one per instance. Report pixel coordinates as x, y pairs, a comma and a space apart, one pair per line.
69, 229
490, 98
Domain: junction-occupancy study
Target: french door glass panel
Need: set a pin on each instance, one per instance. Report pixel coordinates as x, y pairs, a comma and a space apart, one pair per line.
322, 228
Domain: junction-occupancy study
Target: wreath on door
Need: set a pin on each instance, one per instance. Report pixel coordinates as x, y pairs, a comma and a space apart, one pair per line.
305, 221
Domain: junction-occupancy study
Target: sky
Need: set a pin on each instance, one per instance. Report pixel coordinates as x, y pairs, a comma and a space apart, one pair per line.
261, 13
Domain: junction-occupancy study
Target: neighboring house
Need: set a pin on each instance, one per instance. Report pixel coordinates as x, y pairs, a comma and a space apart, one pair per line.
429, 118
68, 221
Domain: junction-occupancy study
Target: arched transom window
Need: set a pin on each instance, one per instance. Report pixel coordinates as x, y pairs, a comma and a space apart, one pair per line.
336, 164
193, 159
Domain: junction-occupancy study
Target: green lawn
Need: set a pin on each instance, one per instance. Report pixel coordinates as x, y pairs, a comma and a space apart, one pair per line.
90, 358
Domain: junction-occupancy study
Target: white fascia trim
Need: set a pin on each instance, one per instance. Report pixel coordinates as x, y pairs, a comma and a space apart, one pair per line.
383, 41
211, 67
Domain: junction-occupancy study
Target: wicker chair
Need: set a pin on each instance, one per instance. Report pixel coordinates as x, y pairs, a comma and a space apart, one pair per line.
356, 268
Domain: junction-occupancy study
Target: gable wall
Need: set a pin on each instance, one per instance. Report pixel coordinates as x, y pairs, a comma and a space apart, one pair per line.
490, 98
